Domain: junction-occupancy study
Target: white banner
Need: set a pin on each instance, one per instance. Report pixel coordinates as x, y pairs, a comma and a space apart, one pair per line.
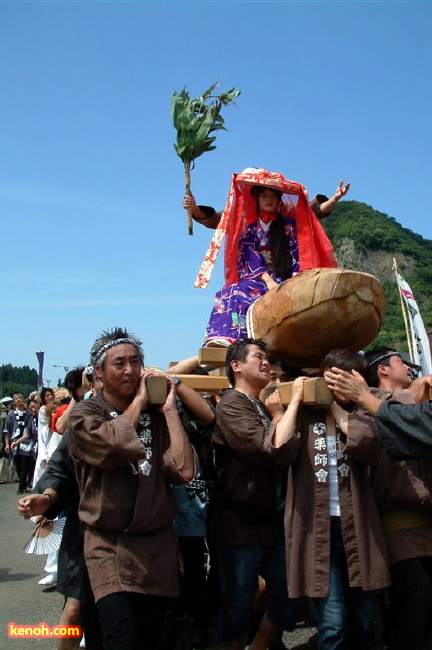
419, 338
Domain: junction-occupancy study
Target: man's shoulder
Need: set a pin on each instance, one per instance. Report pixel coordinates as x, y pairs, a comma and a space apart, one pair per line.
227, 394
233, 400
402, 395
380, 392
93, 405
10, 418
232, 396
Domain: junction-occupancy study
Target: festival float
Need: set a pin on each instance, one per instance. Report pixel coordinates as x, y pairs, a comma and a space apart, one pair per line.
319, 308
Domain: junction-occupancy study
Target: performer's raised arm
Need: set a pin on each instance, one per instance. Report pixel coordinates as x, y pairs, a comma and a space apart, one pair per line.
203, 214
327, 206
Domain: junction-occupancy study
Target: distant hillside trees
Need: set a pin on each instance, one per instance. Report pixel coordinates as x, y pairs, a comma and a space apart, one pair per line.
17, 380
367, 240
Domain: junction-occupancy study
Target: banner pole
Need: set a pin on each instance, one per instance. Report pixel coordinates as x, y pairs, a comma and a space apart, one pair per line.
403, 307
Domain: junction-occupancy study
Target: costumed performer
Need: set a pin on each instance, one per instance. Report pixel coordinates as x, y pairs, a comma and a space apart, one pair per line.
272, 233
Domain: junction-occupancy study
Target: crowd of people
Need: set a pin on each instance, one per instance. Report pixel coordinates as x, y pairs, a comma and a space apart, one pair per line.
227, 511
242, 514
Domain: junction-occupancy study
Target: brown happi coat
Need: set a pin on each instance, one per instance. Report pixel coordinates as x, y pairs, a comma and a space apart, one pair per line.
403, 493
129, 543
246, 507
307, 515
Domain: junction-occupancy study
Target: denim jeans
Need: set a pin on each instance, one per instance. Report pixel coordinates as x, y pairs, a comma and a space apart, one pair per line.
345, 618
239, 568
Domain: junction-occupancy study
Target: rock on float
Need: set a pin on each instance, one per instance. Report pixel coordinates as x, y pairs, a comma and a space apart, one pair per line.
316, 311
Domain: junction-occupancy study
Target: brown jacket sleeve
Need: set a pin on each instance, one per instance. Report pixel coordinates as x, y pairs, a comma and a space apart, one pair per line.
210, 219
104, 444
362, 442
240, 427
315, 204
287, 453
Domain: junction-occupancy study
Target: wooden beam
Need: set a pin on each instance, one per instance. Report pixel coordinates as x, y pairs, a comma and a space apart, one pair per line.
157, 389
212, 356
315, 392
205, 383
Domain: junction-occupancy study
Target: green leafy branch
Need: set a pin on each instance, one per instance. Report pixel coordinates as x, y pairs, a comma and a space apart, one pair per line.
195, 120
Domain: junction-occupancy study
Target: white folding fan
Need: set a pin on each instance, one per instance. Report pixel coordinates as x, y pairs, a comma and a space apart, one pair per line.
46, 539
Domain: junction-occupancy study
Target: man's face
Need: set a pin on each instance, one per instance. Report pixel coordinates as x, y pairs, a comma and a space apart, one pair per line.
256, 367
33, 408
277, 375
398, 372
121, 372
98, 385
19, 402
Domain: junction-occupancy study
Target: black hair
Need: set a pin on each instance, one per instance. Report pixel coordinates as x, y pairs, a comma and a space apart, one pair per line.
108, 336
378, 357
73, 381
291, 373
281, 262
237, 351
345, 359
279, 363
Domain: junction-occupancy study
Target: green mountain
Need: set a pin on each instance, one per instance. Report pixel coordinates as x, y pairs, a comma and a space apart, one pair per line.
367, 240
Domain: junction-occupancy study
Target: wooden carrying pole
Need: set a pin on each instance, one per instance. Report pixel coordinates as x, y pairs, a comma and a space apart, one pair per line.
315, 392
408, 335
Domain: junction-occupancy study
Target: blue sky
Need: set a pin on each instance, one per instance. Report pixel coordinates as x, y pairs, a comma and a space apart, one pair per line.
93, 232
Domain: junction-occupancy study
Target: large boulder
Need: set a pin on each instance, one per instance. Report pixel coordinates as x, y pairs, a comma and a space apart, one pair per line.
316, 311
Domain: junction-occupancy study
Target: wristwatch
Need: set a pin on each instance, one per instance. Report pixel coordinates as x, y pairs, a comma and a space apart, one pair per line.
176, 380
